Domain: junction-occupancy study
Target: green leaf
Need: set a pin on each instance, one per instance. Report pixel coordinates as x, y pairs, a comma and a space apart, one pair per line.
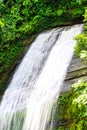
59, 12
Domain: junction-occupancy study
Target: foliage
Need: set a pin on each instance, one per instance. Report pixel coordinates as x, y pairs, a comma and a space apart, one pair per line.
81, 46
20, 19
73, 107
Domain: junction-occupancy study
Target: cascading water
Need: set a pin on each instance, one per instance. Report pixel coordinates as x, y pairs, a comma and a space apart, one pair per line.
36, 84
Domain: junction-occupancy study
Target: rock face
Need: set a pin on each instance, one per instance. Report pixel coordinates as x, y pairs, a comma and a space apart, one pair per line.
76, 71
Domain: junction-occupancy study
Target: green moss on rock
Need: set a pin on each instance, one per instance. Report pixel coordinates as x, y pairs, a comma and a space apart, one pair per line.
72, 108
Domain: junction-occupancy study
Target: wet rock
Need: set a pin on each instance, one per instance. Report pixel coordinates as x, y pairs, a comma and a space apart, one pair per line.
76, 71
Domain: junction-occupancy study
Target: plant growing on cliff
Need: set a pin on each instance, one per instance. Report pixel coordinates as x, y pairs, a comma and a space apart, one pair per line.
20, 19
72, 108
81, 46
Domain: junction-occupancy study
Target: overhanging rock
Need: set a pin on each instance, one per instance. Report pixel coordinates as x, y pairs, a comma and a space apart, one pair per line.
76, 71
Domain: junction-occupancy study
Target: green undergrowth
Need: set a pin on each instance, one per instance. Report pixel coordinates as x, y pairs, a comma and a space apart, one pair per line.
72, 108
10, 58
8, 55
10, 52
20, 19
81, 46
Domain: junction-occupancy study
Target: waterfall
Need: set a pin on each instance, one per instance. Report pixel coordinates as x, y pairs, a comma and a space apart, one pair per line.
36, 83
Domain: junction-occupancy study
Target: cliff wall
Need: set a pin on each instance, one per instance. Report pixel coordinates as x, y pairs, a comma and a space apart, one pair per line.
76, 71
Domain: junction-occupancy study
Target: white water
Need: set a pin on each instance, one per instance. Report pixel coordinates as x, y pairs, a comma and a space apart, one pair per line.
36, 84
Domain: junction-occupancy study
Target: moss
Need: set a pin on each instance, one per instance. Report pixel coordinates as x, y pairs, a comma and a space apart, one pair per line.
7, 72
71, 111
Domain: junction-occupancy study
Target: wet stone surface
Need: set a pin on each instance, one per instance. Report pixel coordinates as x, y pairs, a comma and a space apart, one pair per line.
76, 71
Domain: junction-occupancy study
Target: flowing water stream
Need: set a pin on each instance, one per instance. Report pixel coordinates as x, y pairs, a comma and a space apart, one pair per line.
35, 87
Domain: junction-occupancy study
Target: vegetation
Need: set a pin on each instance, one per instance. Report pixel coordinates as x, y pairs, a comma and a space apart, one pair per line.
81, 46
72, 114
19, 19
72, 106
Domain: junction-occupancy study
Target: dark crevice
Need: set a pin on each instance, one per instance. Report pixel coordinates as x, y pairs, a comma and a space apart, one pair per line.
76, 74
76, 77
